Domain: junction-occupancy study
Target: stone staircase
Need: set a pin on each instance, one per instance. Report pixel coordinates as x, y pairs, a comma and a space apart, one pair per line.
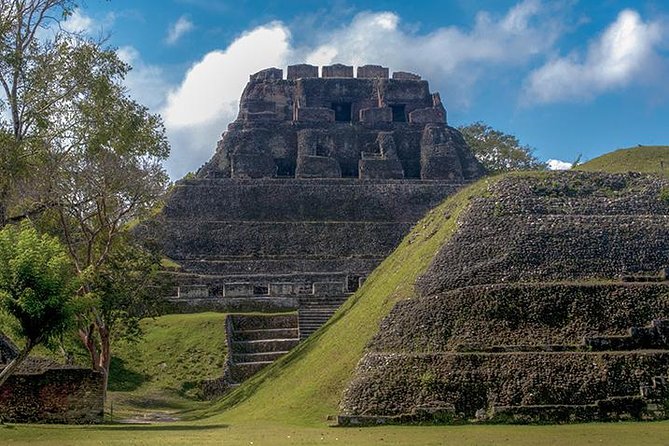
315, 311
255, 341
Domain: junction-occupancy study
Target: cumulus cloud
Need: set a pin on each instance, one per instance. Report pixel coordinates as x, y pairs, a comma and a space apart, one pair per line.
178, 29
198, 110
145, 82
78, 22
459, 56
554, 164
624, 53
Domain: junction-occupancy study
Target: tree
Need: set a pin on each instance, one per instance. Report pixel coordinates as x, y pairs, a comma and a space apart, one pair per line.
498, 151
92, 155
37, 283
37, 80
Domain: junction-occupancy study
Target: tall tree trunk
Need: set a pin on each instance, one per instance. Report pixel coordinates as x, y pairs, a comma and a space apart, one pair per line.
16, 362
105, 355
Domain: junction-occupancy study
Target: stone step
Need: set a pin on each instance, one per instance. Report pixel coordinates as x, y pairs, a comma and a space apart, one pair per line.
241, 372
263, 346
259, 322
197, 238
280, 265
265, 333
240, 358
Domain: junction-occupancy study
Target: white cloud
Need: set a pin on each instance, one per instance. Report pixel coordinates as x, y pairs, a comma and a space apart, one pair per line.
146, 83
457, 56
558, 165
208, 98
626, 52
178, 29
78, 22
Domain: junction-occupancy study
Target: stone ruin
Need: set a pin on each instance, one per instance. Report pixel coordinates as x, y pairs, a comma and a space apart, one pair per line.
339, 126
544, 306
43, 391
310, 188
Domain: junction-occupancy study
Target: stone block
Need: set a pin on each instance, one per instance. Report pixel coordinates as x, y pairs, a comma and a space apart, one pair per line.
375, 115
268, 74
431, 115
259, 105
281, 289
302, 71
329, 288
193, 291
372, 72
337, 70
405, 76
380, 169
317, 167
314, 114
264, 116
238, 289
253, 166
52, 395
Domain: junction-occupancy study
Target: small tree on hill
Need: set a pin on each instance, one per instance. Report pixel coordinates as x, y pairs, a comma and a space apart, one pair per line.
37, 283
498, 151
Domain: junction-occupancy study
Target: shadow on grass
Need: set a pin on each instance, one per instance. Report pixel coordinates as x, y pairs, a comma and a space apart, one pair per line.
156, 427
122, 379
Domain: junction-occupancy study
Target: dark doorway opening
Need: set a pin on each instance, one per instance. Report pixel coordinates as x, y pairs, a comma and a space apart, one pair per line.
399, 113
261, 290
342, 111
349, 168
352, 283
285, 167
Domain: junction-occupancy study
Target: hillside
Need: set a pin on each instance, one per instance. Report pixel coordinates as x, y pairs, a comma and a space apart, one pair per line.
646, 159
160, 373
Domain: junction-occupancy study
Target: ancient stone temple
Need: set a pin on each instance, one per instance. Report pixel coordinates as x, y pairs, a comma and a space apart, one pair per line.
310, 188
369, 127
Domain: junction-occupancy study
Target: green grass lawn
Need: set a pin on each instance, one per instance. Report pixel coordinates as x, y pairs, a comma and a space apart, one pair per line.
647, 159
159, 374
257, 434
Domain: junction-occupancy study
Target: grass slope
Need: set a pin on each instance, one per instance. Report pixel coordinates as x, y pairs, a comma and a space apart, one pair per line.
305, 386
647, 159
162, 369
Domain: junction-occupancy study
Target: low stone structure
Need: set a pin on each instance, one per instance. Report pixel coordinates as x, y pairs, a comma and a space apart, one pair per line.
42, 391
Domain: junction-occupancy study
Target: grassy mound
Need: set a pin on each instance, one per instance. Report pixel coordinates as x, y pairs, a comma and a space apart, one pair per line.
306, 385
647, 159
162, 370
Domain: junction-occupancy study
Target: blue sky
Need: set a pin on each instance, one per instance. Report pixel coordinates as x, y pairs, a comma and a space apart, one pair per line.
567, 77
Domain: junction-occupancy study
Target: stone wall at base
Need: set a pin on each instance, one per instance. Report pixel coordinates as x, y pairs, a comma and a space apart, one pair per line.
56, 395
392, 384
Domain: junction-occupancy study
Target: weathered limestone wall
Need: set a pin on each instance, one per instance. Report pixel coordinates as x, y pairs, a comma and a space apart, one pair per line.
304, 200
564, 226
306, 126
526, 316
55, 395
395, 384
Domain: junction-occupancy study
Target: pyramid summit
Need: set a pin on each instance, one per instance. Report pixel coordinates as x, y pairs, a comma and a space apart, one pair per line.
339, 126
